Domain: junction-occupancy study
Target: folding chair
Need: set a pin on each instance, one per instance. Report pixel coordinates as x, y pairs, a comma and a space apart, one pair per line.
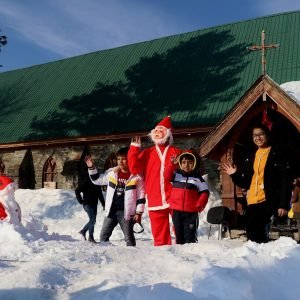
219, 215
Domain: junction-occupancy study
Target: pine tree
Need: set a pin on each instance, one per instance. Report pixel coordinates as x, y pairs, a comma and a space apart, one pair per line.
3, 42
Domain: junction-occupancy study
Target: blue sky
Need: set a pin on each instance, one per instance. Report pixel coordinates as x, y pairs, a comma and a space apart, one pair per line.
40, 31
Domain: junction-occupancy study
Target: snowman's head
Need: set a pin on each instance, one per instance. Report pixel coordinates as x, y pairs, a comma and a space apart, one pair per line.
7, 185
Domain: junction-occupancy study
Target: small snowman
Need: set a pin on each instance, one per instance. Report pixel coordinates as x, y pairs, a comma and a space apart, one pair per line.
10, 210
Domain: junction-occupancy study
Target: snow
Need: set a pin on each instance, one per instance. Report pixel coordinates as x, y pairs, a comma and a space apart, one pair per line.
292, 88
45, 258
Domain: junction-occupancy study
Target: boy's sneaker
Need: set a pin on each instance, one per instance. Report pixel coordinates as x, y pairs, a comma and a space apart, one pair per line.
82, 233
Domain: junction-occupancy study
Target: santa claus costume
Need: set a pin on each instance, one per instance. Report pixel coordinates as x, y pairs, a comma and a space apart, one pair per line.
153, 162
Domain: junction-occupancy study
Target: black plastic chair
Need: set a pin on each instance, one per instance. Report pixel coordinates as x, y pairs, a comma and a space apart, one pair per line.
219, 215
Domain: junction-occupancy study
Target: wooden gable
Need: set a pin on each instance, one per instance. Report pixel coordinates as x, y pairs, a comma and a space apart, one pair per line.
263, 92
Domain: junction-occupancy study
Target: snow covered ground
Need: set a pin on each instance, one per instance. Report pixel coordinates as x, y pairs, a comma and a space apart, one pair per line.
46, 259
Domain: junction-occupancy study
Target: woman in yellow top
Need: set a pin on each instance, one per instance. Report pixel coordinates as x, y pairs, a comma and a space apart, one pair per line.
268, 179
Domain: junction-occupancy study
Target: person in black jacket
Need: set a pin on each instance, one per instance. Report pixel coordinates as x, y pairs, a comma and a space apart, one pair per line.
88, 195
267, 177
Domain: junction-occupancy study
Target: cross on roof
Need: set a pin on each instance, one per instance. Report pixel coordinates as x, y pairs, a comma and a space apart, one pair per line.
263, 48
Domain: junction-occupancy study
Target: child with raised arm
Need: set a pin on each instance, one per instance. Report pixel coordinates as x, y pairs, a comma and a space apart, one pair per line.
125, 197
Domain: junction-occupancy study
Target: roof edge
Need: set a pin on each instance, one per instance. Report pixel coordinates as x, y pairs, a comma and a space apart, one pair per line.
99, 138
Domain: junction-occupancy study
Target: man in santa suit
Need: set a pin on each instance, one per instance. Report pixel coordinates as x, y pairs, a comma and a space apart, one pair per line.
153, 163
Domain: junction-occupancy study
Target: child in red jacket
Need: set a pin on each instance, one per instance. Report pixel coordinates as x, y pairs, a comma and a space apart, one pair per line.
189, 196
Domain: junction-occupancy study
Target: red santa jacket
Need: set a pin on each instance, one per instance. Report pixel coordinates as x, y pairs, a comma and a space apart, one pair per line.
152, 162
189, 192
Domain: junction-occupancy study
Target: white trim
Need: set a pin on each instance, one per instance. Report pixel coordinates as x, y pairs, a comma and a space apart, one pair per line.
135, 144
159, 207
162, 157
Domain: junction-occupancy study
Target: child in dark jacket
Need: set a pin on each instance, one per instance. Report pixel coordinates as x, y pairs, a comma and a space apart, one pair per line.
189, 196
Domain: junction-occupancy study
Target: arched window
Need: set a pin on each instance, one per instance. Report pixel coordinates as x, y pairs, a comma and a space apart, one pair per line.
49, 171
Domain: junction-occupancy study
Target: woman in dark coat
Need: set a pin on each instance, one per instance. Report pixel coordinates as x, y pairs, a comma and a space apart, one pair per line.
267, 176
88, 196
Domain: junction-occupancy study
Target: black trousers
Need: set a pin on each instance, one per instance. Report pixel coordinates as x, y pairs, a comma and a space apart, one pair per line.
185, 226
257, 222
110, 222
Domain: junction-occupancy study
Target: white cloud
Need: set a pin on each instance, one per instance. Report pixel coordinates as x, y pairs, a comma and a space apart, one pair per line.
74, 27
41, 27
67, 28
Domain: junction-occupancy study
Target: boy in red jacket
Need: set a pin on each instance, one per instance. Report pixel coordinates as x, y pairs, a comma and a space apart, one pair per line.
189, 196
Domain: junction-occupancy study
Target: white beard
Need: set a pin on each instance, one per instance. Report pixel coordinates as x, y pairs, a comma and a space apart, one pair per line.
168, 138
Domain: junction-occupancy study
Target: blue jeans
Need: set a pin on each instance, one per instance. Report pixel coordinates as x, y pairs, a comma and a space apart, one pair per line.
90, 225
112, 221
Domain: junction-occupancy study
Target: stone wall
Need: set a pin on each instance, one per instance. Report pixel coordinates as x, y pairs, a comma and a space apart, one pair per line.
67, 160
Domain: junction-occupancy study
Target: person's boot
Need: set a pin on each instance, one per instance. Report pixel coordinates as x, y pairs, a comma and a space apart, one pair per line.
91, 239
82, 233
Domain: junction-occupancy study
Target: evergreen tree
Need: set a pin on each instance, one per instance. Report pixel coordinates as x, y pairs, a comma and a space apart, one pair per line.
3, 42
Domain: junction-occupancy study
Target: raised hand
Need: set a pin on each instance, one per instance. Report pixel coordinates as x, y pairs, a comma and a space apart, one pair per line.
228, 168
89, 161
136, 140
175, 159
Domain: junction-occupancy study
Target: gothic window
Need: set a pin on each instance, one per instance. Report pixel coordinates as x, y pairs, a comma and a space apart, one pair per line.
50, 170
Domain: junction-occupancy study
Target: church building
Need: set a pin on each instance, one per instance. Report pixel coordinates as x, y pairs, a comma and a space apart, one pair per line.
209, 81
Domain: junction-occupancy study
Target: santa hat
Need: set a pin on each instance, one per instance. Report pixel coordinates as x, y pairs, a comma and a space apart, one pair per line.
166, 122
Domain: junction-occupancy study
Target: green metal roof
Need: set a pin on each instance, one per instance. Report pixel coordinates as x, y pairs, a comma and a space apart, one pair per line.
195, 77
